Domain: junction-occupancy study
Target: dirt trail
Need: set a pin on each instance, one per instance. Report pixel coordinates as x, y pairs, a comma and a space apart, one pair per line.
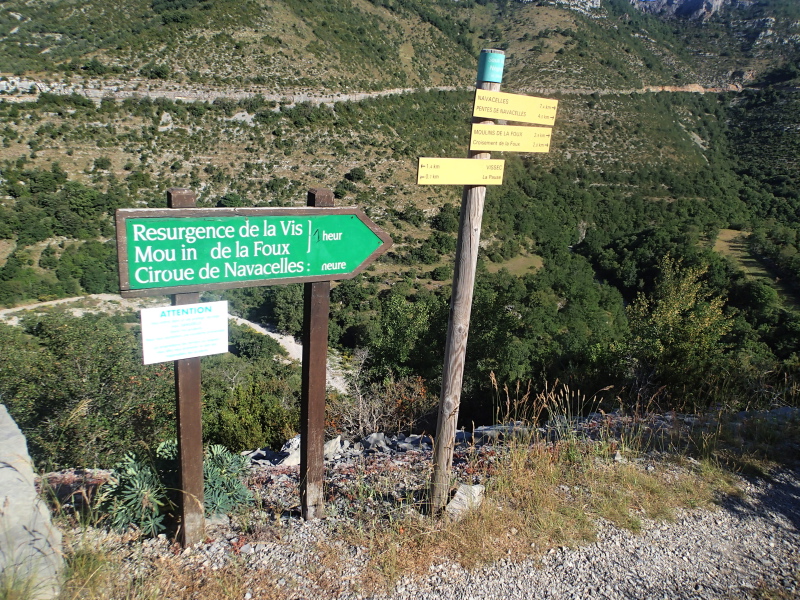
18, 90
112, 303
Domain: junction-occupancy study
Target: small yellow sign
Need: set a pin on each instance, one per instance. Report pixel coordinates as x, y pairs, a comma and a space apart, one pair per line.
460, 171
510, 138
513, 107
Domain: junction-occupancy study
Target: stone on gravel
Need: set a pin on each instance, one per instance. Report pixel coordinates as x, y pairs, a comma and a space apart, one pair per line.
30, 546
463, 437
784, 413
467, 498
263, 455
414, 442
332, 447
291, 452
375, 441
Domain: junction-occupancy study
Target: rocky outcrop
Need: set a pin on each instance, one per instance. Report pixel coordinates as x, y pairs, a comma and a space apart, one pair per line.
688, 9
30, 546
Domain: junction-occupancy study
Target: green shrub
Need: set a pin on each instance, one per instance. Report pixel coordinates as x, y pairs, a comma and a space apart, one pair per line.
143, 491
79, 391
253, 415
442, 273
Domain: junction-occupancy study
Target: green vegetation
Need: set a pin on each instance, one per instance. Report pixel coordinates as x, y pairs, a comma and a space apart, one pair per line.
580, 247
143, 492
78, 390
599, 265
631, 179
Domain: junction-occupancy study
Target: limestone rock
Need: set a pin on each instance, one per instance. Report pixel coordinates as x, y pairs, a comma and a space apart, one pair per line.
691, 9
375, 442
165, 124
30, 546
333, 447
468, 497
291, 449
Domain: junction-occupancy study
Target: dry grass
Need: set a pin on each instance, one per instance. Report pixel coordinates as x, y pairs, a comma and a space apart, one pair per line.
539, 497
96, 575
519, 265
540, 494
6, 248
733, 244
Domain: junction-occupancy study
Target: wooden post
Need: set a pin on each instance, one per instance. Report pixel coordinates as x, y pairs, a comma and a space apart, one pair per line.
316, 301
189, 413
469, 234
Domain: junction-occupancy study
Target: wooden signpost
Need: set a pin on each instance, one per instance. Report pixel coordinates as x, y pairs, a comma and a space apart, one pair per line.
184, 250
189, 414
490, 104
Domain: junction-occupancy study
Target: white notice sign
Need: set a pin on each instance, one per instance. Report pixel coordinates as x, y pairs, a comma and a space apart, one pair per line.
186, 331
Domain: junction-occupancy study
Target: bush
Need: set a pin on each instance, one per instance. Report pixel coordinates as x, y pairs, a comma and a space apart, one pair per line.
253, 416
447, 219
391, 405
102, 163
356, 174
154, 71
79, 392
442, 273
142, 491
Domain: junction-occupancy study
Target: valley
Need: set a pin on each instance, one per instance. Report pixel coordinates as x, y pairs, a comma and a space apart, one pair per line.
635, 311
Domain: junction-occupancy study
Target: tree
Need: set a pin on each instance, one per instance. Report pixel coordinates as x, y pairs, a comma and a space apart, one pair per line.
676, 334
403, 325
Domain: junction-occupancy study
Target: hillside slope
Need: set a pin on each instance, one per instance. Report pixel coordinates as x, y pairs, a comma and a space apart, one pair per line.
345, 45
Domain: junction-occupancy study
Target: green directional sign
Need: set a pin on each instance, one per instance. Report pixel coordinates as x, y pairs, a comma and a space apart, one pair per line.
164, 251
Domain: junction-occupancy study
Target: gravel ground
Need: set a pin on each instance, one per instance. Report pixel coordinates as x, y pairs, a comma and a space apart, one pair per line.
730, 553
748, 546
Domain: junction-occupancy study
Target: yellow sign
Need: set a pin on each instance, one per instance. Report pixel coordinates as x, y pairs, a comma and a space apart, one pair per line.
510, 138
512, 107
460, 171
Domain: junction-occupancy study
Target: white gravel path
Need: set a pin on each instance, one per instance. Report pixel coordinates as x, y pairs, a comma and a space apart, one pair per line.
744, 549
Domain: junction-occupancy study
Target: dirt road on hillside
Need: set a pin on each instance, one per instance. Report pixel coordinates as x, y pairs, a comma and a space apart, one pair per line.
18, 89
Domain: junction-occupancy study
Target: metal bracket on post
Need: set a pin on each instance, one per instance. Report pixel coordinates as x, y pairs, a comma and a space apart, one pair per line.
189, 413
316, 303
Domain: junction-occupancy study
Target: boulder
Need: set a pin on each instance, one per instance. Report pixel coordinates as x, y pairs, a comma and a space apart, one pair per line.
414, 442
332, 447
31, 557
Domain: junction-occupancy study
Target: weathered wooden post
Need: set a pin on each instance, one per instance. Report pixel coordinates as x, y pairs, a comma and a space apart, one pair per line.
316, 301
189, 415
490, 74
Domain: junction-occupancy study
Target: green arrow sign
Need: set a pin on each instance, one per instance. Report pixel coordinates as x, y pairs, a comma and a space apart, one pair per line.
163, 251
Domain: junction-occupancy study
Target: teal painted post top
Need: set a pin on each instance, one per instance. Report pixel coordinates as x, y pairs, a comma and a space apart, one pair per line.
490, 66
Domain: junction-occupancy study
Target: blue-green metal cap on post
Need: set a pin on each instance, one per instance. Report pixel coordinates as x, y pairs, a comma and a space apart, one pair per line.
490, 66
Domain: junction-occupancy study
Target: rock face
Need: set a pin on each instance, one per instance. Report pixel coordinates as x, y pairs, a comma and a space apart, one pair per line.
689, 9
30, 546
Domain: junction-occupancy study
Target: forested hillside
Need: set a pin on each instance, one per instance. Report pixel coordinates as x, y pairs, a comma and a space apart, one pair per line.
608, 262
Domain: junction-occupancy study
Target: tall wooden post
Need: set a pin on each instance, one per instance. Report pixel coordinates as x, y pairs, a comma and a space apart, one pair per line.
189, 413
466, 261
316, 305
